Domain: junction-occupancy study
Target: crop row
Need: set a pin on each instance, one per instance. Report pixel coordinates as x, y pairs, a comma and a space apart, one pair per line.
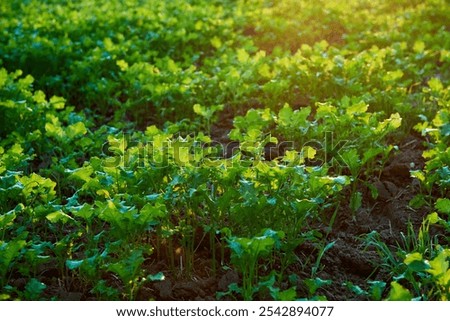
110, 161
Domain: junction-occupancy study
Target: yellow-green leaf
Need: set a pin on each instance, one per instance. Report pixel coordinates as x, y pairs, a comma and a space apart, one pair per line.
439, 265
59, 216
57, 102
216, 42
399, 293
242, 55
419, 46
411, 257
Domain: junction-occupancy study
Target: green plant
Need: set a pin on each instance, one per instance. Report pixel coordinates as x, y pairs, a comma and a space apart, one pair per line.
246, 254
427, 279
131, 274
207, 113
10, 251
111, 157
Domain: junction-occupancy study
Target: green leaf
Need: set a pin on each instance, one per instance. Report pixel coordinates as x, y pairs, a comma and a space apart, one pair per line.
58, 102
419, 46
59, 216
235, 245
122, 64
357, 108
393, 122
128, 268
8, 252
439, 265
152, 131
356, 201
392, 76
315, 268
351, 158
39, 97
443, 205
75, 130
376, 289
412, 257
287, 295
199, 110
152, 213
292, 157
415, 262
264, 70
435, 84
82, 173
74, 264
294, 120
433, 218
445, 130
3, 77
7, 219
55, 130
242, 55
3, 296
156, 277
285, 115
152, 197
308, 152
399, 293
325, 110
304, 206
373, 190
343, 180
103, 192
314, 284
34, 289
418, 201
356, 289
38, 185
371, 153
216, 42
86, 212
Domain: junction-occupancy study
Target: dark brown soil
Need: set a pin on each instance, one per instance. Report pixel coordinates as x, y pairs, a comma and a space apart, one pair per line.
389, 215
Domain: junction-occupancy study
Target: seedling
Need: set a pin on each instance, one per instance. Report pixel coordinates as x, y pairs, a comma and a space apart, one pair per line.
246, 253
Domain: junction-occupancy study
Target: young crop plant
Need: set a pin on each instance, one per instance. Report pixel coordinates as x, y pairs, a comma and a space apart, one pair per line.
129, 270
246, 254
420, 265
429, 279
208, 114
436, 173
151, 139
88, 60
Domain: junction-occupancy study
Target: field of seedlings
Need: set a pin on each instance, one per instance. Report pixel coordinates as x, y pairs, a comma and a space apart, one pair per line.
224, 150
